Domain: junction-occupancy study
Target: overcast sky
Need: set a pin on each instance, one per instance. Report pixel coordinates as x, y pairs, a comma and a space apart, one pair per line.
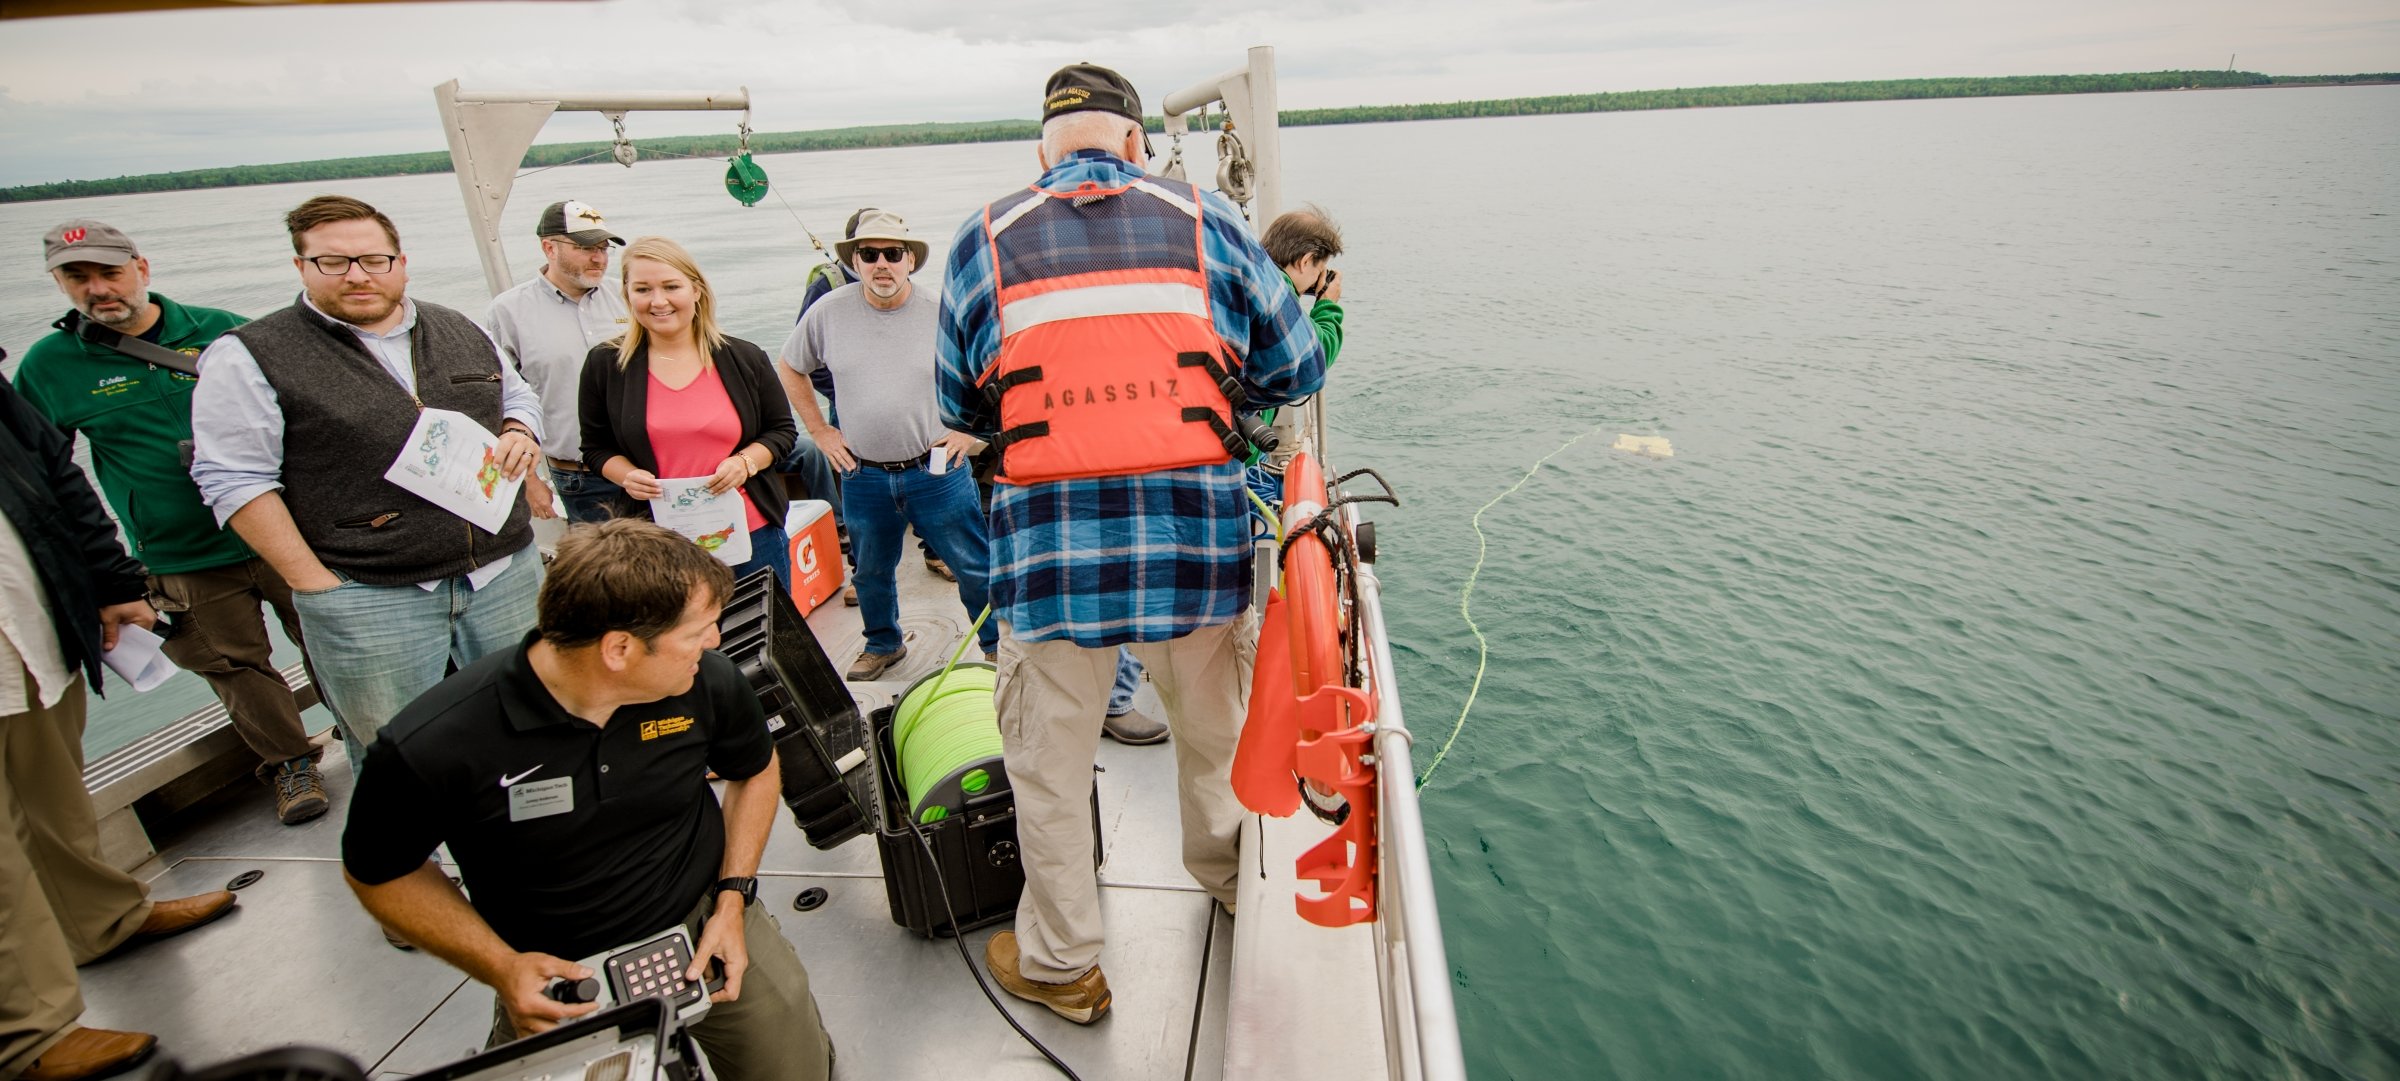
99, 96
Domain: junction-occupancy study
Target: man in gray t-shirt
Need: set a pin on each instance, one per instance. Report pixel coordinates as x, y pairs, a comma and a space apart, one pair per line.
900, 468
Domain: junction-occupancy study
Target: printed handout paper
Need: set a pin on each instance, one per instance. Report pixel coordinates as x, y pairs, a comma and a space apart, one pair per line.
450, 461
715, 522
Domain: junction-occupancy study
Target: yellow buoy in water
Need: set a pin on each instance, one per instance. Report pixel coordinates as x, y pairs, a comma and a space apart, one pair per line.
1648, 446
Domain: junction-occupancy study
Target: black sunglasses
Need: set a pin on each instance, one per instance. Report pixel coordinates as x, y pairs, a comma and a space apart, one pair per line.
890, 255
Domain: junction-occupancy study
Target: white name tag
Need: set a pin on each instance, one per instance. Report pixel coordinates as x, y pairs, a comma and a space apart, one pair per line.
540, 799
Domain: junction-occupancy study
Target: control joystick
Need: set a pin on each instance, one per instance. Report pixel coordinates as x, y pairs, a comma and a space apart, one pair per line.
574, 992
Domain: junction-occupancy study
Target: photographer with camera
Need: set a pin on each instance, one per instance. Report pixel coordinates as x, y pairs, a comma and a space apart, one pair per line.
1303, 244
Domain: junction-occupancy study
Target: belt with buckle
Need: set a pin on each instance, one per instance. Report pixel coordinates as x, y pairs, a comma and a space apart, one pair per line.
890, 467
565, 466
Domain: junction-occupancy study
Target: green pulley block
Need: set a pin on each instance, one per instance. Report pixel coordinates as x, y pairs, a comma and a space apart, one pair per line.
745, 181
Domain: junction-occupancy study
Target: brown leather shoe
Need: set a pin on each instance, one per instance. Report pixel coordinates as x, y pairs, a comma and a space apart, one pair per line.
1082, 1000
174, 917
90, 1052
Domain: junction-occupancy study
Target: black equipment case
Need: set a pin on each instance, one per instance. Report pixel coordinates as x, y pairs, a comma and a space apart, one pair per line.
816, 723
976, 851
809, 710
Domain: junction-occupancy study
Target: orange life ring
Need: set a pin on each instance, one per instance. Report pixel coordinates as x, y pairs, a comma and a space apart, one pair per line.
1306, 725
1308, 581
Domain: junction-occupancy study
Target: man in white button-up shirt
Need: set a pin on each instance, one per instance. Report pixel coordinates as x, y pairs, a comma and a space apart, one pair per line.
298, 417
546, 325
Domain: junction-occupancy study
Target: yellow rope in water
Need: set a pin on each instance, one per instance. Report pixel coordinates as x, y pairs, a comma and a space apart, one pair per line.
1483, 649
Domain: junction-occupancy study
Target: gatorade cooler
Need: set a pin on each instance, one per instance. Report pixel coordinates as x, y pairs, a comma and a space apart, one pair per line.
816, 553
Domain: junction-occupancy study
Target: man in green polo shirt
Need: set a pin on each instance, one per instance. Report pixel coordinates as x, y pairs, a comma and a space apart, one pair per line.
136, 417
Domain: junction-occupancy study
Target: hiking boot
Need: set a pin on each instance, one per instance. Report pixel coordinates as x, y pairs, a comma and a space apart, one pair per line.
299, 792
1133, 728
90, 1052
1082, 1000
871, 665
940, 569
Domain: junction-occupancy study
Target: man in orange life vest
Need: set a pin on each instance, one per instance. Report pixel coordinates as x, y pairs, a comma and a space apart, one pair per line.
1098, 328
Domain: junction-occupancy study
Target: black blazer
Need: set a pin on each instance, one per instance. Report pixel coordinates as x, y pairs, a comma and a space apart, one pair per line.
76, 558
615, 407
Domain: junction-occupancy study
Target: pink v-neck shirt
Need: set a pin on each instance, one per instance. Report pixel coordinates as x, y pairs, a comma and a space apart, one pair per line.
693, 431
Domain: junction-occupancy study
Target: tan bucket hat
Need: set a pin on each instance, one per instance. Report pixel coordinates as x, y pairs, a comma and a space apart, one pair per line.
881, 225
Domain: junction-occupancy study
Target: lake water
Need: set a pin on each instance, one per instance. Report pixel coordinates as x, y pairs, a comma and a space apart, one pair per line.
2002, 680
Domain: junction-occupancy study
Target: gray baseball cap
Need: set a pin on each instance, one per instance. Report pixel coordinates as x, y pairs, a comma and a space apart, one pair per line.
86, 241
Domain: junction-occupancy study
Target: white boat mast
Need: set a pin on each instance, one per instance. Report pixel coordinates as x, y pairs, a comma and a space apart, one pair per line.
490, 131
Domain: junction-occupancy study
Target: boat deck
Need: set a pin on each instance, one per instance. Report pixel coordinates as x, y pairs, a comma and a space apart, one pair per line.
301, 962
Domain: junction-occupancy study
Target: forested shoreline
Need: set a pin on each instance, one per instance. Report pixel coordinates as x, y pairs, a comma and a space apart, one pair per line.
930, 134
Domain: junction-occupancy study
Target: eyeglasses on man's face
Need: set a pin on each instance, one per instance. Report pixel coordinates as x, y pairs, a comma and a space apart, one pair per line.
334, 266
889, 255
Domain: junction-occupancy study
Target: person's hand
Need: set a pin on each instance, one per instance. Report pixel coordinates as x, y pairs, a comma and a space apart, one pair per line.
1329, 287
722, 939
317, 581
641, 484
537, 496
520, 985
516, 452
138, 613
837, 449
730, 474
959, 445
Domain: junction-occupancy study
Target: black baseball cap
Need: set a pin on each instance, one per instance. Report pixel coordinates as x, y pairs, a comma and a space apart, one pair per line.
1080, 87
1089, 87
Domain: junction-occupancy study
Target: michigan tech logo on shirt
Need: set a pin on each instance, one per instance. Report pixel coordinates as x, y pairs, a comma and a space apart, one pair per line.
665, 726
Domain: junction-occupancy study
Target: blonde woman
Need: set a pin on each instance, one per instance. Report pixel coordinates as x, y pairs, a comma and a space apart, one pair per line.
677, 397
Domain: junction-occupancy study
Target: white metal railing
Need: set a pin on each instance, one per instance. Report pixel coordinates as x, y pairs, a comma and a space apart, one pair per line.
1419, 1015
490, 131
1421, 1040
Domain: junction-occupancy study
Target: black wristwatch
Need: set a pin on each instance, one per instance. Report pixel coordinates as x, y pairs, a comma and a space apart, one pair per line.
747, 887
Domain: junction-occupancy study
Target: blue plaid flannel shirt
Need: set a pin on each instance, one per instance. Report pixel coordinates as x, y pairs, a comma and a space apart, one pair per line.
1104, 561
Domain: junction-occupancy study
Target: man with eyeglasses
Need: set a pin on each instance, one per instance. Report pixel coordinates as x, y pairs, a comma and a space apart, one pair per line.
117, 372
900, 467
298, 416
545, 325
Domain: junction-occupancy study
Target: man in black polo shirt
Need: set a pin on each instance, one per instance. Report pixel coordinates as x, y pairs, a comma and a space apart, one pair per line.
566, 775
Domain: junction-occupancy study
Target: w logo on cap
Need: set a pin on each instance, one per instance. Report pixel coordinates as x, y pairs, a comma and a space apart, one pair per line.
73, 236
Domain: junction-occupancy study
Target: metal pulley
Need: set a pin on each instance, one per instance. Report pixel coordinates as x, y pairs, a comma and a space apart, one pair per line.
624, 150
744, 180
1173, 169
1234, 169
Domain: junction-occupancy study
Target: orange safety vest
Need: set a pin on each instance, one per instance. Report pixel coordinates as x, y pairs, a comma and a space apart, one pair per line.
1109, 361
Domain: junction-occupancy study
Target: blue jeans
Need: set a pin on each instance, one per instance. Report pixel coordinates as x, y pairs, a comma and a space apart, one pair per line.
1129, 679
815, 471
591, 497
769, 547
878, 506
376, 648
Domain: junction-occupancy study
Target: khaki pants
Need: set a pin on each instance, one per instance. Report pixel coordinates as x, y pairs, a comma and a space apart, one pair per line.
1052, 697
60, 904
221, 637
771, 1033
